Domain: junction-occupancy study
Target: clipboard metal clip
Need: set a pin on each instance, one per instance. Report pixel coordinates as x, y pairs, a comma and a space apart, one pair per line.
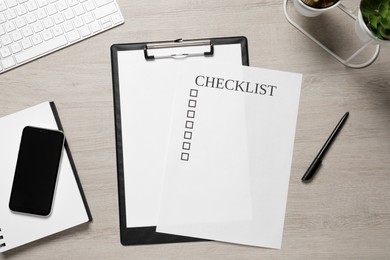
177, 44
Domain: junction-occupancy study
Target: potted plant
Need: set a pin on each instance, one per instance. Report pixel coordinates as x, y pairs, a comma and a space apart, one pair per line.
373, 21
313, 8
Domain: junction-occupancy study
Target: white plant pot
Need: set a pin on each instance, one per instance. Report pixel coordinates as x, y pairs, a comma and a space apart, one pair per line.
308, 11
364, 33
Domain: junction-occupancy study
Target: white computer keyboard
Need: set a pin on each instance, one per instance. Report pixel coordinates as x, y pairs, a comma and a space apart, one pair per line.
30, 29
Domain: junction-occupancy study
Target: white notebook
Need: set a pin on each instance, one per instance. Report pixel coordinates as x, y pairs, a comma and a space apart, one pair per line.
69, 207
230, 152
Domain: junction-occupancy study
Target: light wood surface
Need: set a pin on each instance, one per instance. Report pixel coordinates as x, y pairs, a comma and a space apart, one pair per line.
343, 214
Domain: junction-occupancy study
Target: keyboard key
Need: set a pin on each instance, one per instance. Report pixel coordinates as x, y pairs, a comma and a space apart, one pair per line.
102, 2
68, 27
8, 62
73, 36
85, 31
15, 47
95, 27
105, 20
48, 23
72, 2
26, 43
21, 10
105, 10
88, 18
78, 22
79, 10
12, 3
9, 27
106, 23
3, 6
27, 31
37, 27
2, 18
41, 14
57, 31
10, 14
89, 5
20, 22
51, 9
30, 18
58, 18
36, 39
41, 49
47, 35
5, 52
32, 6
42, 3
62, 5
16, 35
68, 14
116, 18
6, 39
2, 31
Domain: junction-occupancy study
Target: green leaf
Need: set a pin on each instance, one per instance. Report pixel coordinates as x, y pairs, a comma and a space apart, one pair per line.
385, 22
384, 33
369, 7
370, 4
383, 10
374, 21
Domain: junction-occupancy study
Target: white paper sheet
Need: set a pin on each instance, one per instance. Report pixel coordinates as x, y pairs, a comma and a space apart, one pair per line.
230, 151
147, 90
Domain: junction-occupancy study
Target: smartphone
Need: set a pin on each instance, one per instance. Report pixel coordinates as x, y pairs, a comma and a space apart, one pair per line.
36, 171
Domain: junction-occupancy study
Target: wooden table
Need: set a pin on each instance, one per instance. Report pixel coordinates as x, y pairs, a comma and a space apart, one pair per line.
343, 214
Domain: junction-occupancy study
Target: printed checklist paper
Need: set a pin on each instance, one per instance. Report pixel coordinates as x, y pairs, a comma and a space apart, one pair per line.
229, 155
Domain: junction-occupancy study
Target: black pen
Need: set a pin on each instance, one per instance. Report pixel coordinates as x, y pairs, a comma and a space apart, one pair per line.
317, 161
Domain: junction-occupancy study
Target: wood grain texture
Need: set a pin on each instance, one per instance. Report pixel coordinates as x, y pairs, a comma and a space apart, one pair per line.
343, 214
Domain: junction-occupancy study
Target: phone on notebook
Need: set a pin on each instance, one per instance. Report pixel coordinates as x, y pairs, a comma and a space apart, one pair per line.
36, 171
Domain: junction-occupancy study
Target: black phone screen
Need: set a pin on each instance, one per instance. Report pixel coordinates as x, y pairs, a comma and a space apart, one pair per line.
36, 171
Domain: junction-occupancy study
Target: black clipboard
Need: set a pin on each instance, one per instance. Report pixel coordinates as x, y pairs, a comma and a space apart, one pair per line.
147, 234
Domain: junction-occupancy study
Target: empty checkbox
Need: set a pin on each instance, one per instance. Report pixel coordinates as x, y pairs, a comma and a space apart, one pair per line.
185, 156
190, 114
187, 135
193, 93
189, 124
186, 146
192, 103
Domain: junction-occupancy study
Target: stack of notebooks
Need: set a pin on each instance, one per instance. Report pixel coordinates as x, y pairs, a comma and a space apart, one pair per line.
204, 144
69, 207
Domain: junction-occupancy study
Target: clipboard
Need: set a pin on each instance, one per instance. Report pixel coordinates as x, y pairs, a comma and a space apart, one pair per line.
143, 75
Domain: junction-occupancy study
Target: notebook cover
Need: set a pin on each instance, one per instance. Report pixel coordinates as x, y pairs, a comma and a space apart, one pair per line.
3, 233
